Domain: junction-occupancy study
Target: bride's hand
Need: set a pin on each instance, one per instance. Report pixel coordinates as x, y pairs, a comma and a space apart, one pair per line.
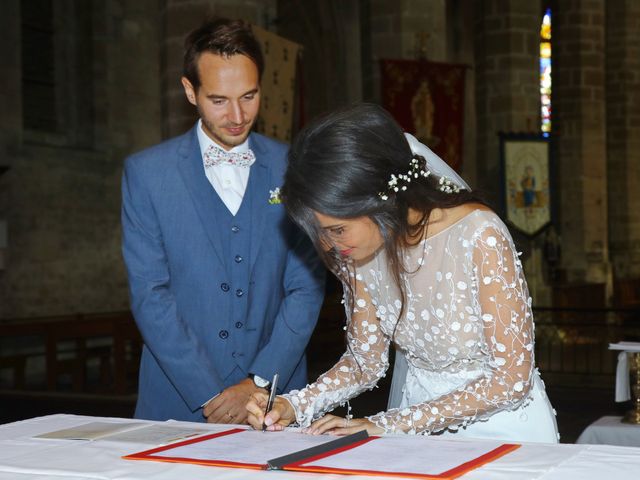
342, 426
281, 415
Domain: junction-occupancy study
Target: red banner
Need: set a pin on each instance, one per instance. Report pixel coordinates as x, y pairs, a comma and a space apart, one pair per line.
427, 100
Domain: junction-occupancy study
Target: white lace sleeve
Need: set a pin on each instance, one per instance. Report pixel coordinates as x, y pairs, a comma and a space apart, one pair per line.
360, 367
502, 309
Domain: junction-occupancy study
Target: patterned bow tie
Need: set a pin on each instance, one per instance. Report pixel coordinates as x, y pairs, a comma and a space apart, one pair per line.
216, 156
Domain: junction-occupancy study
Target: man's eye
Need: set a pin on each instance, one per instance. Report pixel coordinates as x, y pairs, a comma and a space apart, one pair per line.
250, 96
218, 101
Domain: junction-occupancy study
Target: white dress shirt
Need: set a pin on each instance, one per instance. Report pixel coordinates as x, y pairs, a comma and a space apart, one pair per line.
229, 181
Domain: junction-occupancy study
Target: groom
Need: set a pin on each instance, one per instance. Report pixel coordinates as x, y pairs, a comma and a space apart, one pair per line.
224, 289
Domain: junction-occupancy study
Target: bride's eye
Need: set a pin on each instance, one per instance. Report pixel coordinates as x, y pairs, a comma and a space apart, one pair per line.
337, 231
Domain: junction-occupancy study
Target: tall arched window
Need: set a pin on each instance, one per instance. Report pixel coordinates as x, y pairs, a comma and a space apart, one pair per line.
545, 73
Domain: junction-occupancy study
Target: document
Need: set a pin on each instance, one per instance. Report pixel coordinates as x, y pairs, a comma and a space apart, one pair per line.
235, 447
156, 434
358, 454
91, 431
408, 456
130, 432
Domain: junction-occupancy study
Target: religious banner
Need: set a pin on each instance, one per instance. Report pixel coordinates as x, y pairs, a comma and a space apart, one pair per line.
427, 100
278, 84
526, 188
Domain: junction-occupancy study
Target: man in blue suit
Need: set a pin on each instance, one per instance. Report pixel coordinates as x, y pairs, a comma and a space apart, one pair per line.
224, 289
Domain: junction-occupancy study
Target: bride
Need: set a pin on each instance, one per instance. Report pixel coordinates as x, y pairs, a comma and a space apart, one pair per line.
426, 266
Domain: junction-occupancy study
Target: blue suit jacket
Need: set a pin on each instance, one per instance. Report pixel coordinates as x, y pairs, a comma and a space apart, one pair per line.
173, 250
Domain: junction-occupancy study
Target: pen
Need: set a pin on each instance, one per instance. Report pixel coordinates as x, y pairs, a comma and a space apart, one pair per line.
272, 397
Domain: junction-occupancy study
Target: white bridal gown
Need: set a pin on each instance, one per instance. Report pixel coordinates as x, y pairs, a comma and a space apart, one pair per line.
467, 335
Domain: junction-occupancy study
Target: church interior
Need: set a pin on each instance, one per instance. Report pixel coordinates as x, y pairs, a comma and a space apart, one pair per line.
533, 102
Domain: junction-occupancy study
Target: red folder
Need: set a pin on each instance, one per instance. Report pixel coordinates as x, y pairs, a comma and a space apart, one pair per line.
315, 459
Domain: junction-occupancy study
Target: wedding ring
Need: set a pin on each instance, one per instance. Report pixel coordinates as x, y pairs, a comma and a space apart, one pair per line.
230, 416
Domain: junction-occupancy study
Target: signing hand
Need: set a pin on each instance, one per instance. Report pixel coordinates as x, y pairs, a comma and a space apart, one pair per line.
229, 406
281, 415
342, 426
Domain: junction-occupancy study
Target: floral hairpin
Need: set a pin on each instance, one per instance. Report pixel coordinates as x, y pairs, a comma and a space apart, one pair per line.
416, 170
447, 186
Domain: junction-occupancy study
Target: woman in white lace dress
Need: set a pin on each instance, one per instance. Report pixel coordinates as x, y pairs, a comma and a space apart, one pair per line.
425, 266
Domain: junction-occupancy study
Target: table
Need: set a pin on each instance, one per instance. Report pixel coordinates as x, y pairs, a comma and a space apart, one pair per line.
23, 457
610, 431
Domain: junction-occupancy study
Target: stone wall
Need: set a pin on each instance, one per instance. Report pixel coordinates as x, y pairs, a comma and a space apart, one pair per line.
118, 90
61, 195
331, 62
623, 141
394, 27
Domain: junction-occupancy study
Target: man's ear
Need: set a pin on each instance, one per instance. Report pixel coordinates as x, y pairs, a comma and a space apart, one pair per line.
189, 91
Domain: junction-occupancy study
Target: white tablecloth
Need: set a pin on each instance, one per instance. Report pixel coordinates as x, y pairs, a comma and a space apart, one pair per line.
611, 431
23, 457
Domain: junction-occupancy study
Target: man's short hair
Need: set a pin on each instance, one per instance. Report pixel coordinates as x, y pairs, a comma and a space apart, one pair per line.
224, 37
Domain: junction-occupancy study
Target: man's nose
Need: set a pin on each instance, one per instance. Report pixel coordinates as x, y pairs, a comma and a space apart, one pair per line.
236, 115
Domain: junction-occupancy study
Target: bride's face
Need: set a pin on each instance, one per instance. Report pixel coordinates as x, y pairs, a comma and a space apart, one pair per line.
358, 238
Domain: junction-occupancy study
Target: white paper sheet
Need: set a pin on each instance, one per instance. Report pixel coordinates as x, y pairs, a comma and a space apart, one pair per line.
155, 435
91, 431
407, 454
250, 446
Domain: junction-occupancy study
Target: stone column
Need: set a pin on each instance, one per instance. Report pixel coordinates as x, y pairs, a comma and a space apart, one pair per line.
623, 141
507, 45
507, 80
580, 138
179, 18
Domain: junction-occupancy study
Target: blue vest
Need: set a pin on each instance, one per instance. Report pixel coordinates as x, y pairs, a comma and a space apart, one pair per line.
236, 247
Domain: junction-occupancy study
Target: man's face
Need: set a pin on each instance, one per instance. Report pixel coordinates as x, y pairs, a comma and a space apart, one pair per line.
228, 98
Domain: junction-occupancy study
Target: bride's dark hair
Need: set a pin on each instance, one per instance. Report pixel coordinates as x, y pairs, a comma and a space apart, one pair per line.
339, 165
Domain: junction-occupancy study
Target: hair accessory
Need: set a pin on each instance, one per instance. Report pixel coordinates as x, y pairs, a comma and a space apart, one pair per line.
423, 164
399, 182
447, 186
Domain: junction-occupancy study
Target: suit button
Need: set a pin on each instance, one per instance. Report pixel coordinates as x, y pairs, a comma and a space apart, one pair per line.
239, 292
224, 287
238, 324
238, 259
223, 334
233, 354
235, 229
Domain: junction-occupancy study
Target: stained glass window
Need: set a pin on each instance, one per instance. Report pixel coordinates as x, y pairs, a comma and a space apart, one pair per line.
545, 73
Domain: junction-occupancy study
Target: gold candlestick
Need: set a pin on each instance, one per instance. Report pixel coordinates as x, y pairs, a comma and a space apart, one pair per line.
633, 416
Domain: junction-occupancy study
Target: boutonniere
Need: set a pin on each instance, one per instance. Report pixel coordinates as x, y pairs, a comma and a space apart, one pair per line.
274, 196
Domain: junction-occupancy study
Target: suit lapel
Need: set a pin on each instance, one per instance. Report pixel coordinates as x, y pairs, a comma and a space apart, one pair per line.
202, 193
259, 186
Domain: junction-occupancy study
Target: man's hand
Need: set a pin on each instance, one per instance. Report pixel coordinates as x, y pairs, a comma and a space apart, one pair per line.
229, 406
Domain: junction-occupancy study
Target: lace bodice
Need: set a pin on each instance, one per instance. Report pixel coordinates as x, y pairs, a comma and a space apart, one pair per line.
468, 312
